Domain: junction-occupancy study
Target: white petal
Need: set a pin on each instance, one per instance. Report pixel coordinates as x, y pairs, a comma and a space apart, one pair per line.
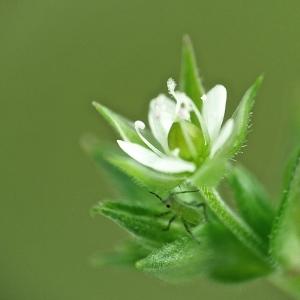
161, 117
223, 136
149, 159
214, 104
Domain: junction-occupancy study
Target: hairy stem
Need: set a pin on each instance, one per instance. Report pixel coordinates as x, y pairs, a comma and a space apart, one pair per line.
236, 225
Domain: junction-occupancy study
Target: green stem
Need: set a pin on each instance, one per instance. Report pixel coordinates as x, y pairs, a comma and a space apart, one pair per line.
236, 225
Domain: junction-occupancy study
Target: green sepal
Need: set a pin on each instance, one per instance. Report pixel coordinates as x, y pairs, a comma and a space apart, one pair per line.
180, 260
189, 140
213, 169
252, 201
210, 172
152, 180
285, 237
142, 222
190, 82
242, 117
124, 127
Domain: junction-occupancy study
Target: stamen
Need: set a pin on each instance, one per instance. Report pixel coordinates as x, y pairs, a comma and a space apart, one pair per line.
139, 125
171, 84
182, 98
183, 108
204, 98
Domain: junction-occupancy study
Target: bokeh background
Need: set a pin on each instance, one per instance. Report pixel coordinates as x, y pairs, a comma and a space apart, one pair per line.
56, 56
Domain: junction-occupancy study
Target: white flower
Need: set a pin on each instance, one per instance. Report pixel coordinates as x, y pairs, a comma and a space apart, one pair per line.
164, 112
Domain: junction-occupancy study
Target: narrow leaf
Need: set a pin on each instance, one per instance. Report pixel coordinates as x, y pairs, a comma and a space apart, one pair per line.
190, 82
241, 118
252, 201
285, 238
215, 252
123, 126
141, 222
182, 259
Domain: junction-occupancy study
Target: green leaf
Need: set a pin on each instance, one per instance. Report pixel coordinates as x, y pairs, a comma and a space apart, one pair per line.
182, 259
215, 253
143, 223
213, 169
125, 255
120, 181
154, 181
190, 82
252, 201
285, 237
231, 260
242, 117
123, 126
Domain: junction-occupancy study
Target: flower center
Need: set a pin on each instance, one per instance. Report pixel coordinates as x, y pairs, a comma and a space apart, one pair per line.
184, 106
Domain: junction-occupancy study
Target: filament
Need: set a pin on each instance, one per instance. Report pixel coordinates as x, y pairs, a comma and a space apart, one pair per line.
139, 126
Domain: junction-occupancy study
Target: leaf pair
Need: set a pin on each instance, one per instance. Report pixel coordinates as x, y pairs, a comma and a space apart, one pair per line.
174, 255
216, 253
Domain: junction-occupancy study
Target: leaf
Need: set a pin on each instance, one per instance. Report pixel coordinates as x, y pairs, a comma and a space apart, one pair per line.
154, 181
285, 237
122, 183
190, 82
252, 201
242, 120
125, 254
182, 259
232, 261
213, 169
142, 222
123, 126
216, 253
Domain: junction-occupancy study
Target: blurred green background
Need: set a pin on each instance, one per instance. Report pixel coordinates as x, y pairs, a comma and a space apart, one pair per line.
56, 56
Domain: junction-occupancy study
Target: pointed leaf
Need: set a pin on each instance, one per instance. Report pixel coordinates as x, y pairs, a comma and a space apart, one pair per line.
252, 201
216, 253
232, 261
141, 222
285, 237
123, 126
190, 82
181, 259
242, 117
